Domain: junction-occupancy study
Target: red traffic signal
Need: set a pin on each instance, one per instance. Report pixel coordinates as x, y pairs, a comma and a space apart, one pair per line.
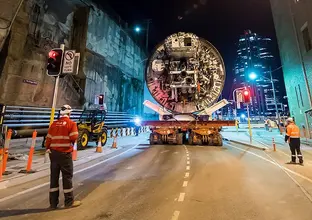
55, 62
246, 95
101, 99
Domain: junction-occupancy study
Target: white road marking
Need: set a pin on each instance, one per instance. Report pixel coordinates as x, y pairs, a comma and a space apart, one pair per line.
185, 184
263, 158
188, 167
188, 158
187, 174
187, 162
175, 215
181, 197
78, 171
165, 151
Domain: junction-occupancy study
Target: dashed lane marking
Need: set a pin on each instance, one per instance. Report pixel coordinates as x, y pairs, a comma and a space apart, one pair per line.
187, 175
187, 162
175, 215
188, 167
181, 197
185, 184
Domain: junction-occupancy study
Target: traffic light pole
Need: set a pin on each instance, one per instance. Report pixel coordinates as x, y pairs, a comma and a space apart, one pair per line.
249, 125
56, 86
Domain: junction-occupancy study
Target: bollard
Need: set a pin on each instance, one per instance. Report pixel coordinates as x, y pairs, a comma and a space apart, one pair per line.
115, 142
274, 145
99, 146
5, 153
111, 132
31, 153
1, 161
121, 132
74, 155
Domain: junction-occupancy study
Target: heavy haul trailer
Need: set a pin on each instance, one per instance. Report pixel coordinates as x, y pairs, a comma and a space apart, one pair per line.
185, 75
187, 132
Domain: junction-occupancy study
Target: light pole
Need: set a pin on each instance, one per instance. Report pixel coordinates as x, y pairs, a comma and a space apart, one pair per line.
253, 76
138, 29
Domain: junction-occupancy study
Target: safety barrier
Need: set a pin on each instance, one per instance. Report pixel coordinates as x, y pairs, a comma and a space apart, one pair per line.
24, 120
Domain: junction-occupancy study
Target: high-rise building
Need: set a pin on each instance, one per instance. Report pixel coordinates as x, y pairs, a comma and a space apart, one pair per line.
254, 57
293, 25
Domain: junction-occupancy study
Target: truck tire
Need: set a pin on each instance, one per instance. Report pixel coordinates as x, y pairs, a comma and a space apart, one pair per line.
219, 141
179, 139
190, 139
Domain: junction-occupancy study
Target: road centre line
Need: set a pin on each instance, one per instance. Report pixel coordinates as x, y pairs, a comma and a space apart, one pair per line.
185, 183
188, 167
181, 197
76, 172
187, 174
175, 215
187, 162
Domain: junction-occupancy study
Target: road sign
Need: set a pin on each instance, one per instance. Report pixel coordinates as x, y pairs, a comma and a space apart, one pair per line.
68, 63
239, 98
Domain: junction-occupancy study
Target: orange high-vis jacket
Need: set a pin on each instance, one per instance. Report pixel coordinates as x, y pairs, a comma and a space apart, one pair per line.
293, 131
62, 134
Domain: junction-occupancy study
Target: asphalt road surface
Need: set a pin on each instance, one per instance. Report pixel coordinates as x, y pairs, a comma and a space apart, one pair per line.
175, 182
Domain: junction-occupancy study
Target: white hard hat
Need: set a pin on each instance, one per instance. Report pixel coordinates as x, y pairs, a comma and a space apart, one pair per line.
290, 120
66, 109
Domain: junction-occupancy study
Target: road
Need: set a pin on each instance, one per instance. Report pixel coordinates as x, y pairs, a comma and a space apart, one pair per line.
174, 182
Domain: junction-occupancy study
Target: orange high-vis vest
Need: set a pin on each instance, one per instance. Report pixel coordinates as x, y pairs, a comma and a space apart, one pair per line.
62, 135
293, 131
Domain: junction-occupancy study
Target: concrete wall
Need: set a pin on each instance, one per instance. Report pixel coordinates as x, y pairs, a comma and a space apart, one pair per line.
111, 62
296, 89
114, 64
39, 27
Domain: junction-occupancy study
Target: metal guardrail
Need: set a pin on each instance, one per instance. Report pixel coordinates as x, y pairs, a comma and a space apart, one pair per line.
23, 120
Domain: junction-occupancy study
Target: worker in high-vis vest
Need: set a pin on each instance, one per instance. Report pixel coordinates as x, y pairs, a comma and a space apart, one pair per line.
293, 138
61, 136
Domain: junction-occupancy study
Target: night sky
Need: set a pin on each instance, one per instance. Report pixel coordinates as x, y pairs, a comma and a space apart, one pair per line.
219, 21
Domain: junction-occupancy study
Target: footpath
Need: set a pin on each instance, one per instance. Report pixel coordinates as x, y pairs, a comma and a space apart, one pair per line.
41, 165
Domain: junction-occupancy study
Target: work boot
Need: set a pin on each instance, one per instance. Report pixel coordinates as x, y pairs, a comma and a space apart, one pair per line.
52, 207
75, 204
291, 162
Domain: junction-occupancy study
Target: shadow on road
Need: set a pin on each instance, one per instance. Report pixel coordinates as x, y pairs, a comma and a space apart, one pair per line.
16, 212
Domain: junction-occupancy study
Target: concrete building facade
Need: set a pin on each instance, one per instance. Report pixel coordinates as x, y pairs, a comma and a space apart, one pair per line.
111, 61
293, 24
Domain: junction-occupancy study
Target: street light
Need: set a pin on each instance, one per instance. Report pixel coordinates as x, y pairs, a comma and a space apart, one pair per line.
253, 76
137, 29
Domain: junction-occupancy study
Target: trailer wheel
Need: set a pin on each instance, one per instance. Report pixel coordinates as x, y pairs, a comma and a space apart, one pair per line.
219, 141
180, 139
190, 138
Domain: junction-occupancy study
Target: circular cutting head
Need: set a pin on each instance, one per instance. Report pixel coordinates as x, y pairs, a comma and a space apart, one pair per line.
185, 73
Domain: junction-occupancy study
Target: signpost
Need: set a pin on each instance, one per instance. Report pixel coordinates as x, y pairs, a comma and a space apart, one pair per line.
68, 65
68, 62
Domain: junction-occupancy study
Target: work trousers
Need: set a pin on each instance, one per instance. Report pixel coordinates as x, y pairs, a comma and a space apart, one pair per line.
61, 162
294, 145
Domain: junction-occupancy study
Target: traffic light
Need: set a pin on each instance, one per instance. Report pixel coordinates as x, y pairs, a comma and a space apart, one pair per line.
101, 99
55, 60
246, 95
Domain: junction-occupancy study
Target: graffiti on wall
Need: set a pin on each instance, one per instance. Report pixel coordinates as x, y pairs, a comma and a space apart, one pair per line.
50, 25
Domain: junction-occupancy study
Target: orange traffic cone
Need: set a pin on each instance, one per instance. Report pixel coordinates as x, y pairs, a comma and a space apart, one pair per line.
99, 147
115, 142
75, 151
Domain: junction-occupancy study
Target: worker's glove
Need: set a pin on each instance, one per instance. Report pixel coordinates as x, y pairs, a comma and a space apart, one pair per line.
48, 151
